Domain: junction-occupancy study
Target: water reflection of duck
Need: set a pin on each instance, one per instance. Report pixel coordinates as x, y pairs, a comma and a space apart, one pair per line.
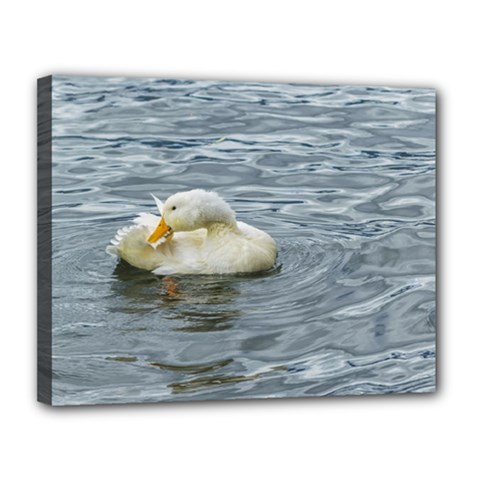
195, 303
197, 234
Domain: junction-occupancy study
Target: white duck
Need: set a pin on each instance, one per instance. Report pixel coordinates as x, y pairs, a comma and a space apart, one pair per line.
197, 234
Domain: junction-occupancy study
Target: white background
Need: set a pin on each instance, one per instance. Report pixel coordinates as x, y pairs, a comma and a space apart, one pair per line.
411, 43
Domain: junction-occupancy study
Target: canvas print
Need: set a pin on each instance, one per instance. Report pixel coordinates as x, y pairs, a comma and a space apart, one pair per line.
223, 240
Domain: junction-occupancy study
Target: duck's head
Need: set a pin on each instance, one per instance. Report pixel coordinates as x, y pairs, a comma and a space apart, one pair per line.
187, 211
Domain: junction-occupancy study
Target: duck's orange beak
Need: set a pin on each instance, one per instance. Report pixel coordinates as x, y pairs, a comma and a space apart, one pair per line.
162, 230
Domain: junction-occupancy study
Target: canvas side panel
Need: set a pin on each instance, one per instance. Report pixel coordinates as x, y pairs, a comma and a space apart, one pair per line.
437, 251
44, 240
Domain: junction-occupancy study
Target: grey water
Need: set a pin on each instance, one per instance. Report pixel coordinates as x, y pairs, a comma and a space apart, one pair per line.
343, 177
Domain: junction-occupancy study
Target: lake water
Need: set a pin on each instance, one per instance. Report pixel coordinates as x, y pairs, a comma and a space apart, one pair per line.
343, 177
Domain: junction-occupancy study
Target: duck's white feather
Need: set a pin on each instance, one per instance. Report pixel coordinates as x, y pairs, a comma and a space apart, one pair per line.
220, 245
159, 203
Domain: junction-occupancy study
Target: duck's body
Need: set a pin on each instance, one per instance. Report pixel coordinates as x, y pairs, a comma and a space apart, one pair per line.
206, 239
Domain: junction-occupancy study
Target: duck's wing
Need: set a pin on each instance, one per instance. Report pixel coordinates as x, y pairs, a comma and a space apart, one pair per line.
183, 254
147, 220
113, 248
130, 244
143, 222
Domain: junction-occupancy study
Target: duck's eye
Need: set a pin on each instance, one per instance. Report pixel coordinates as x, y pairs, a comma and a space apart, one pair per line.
174, 208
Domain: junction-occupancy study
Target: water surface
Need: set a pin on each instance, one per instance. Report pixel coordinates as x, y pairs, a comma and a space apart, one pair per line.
343, 177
